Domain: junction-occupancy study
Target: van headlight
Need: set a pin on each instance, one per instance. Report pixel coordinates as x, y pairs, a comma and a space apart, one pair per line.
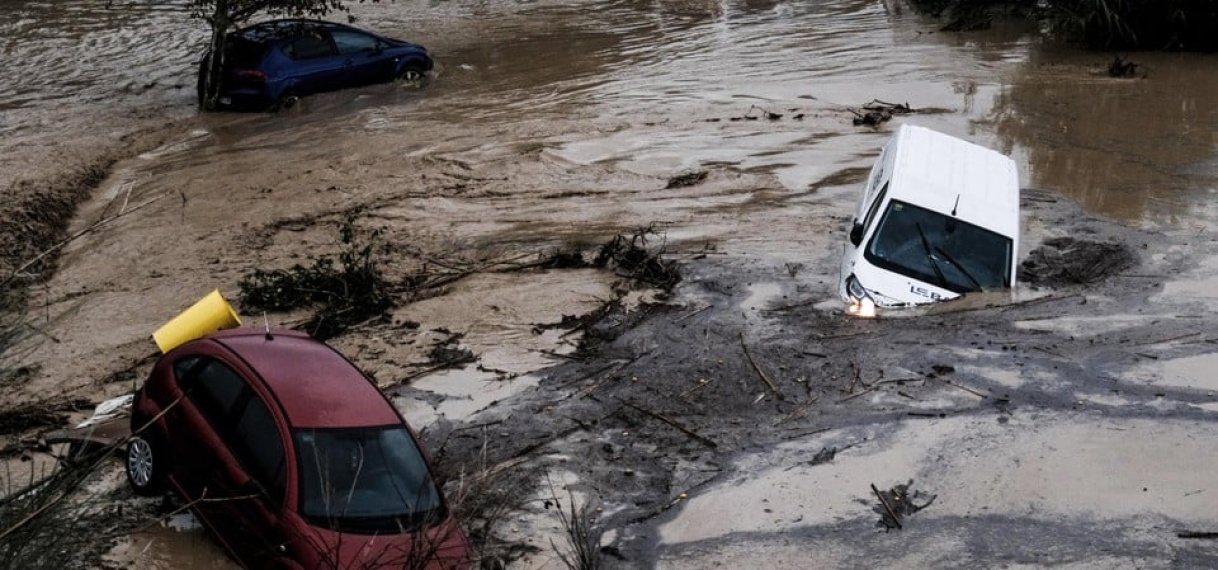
856, 290
861, 303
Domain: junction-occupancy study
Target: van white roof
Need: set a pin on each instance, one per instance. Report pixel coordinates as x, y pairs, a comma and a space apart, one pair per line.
934, 170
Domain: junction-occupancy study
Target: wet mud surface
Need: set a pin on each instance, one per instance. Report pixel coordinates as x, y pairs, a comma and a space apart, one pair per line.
736, 417
701, 424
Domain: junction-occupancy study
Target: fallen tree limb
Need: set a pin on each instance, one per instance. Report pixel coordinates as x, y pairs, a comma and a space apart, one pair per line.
93, 227
965, 388
887, 507
1161, 341
673, 423
798, 411
764, 377
853, 396
676, 501
697, 312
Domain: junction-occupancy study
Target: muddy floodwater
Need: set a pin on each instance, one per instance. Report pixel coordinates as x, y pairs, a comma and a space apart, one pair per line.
1066, 426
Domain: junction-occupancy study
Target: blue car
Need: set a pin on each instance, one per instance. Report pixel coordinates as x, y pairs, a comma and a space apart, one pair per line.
271, 65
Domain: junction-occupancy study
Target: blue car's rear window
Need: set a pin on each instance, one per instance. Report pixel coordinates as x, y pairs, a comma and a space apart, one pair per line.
244, 54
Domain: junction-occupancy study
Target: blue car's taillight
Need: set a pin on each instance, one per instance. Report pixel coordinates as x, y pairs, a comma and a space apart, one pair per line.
251, 75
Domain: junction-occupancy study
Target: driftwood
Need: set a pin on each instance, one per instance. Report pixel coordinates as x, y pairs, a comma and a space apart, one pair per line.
702, 383
1169, 339
876, 112
965, 388
613, 369
764, 377
887, 507
695, 313
676, 501
797, 412
853, 396
673, 423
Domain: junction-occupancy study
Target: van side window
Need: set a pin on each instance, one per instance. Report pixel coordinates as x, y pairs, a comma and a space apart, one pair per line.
878, 175
875, 207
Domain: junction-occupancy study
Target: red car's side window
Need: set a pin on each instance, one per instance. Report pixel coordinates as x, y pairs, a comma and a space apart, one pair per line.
240, 417
259, 446
215, 389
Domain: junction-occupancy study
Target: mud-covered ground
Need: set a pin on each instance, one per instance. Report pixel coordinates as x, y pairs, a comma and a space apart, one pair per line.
739, 419
745, 421
742, 417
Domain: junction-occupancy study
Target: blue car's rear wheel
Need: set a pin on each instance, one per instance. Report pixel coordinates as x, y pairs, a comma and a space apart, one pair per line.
286, 101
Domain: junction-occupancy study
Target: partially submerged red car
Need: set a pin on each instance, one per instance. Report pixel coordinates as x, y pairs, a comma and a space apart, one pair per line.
290, 456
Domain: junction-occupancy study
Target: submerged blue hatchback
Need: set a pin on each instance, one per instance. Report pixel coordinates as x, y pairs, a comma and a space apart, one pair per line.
271, 65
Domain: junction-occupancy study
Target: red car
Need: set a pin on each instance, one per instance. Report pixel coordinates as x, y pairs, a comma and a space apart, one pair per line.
290, 456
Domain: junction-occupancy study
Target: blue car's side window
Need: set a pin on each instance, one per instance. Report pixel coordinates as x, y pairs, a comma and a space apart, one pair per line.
310, 46
353, 42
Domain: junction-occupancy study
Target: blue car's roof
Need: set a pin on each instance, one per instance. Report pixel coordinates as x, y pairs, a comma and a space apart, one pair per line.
276, 29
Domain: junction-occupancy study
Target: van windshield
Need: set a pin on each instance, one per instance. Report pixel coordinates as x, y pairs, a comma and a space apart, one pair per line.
365, 480
940, 250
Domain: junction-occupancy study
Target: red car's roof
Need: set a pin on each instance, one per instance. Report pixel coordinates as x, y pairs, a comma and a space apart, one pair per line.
316, 386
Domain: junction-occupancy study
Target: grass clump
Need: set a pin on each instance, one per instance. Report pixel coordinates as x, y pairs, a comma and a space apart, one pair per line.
582, 532
345, 290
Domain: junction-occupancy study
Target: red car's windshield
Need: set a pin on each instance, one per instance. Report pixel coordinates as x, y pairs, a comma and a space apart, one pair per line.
371, 480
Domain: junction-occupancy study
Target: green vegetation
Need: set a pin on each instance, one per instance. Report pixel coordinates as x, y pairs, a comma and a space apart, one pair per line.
1186, 25
345, 291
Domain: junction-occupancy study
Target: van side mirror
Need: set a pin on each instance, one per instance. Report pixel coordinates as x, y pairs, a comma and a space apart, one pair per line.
856, 233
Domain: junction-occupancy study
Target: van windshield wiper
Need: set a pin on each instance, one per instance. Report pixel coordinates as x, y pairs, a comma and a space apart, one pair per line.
963, 271
934, 263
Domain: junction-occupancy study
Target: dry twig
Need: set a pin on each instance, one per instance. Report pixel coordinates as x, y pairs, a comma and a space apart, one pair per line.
764, 377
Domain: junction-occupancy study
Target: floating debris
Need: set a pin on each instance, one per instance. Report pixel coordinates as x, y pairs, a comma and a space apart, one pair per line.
877, 112
897, 504
687, 179
825, 455
1071, 261
1122, 68
631, 258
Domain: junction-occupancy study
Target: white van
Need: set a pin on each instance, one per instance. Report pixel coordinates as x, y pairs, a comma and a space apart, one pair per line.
939, 217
